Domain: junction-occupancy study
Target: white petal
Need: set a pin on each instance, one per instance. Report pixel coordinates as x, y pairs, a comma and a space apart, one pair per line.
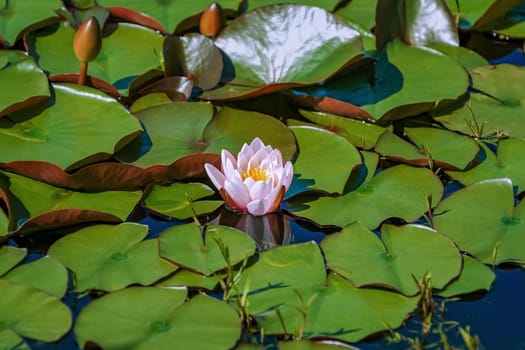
237, 192
257, 207
260, 189
272, 197
256, 144
215, 175
226, 157
229, 169
287, 177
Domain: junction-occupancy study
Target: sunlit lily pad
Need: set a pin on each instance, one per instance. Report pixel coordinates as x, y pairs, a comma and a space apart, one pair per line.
482, 220
279, 46
474, 277
403, 253
281, 283
467, 58
186, 245
157, 318
18, 15
186, 278
27, 82
507, 162
181, 200
324, 157
311, 345
55, 136
496, 109
347, 313
400, 191
32, 314
55, 206
45, 274
111, 257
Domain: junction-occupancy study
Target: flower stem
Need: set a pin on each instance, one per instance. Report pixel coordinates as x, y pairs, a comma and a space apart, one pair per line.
83, 73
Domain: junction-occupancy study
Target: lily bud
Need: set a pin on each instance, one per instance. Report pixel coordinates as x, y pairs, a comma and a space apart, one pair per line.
88, 40
255, 181
212, 20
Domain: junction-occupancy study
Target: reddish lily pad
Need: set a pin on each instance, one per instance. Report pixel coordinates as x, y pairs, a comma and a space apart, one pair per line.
276, 47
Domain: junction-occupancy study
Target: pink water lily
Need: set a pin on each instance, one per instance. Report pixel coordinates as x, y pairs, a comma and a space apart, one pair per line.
255, 181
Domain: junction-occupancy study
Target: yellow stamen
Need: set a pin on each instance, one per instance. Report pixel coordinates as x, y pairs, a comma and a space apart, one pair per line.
258, 174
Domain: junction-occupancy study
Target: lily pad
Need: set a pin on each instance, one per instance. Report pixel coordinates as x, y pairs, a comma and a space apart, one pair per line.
276, 47
478, 14
181, 200
328, 5
54, 136
10, 257
402, 254
360, 11
27, 82
139, 47
32, 314
400, 191
157, 318
482, 220
474, 277
45, 274
311, 345
469, 59
325, 158
111, 257
56, 207
187, 246
20, 15
344, 312
186, 278
495, 108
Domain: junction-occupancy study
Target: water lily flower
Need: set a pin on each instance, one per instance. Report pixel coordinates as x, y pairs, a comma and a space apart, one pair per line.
255, 181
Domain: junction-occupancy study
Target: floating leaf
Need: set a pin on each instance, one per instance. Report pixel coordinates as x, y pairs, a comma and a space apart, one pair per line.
276, 47
310, 345
325, 158
32, 314
478, 14
482, 220
55, 206
54, 136
326, 4
187, 246
111, 257
158, 318
360, 11
508, 162
400, 191
186, 278
10, 257
181, 200
403, 254
469, 59
27, 83
347, 313
474, 277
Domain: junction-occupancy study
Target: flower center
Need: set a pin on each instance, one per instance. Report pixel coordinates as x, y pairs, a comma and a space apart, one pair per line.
258, 174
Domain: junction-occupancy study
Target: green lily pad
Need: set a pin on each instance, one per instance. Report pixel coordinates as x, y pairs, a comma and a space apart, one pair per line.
405, 81
54, 136
27, 82
181, 200
507, 162
328, 5
474, 277
497, 109
4, 223
360, 11
45, 274
274, 47
344, 312
325, 158
20, 15
482, 220
56, 207
139, 47
169, 136
10, 257
478, 14
9, 340
467, 58
311, 345
403, 253
360, 133
30, 313
186, 278
281, 284
111, 257
430, 145
400, 191
187, 246
157, 318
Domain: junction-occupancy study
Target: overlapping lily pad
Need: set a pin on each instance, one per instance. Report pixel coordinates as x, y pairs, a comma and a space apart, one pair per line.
482, 220
400, 191
474, 277
279, 46
325, 158
68, 131
181, 200
478, 14
111, 257
199, 251
158, 318
403, 255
